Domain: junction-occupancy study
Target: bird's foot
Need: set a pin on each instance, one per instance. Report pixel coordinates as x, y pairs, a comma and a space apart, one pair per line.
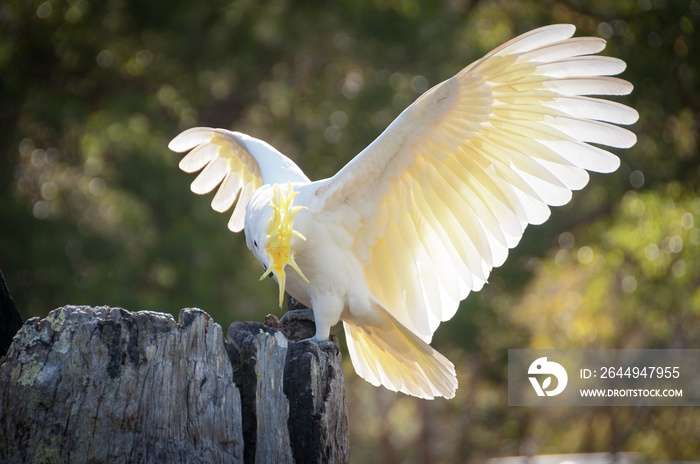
299, 325
331, 343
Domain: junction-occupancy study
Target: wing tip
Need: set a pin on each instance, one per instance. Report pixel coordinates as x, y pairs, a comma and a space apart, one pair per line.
614, 164
562, 29
190, 138
633, 116
568, 27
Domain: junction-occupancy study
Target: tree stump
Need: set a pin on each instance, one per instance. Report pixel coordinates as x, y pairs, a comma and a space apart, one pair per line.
101, 384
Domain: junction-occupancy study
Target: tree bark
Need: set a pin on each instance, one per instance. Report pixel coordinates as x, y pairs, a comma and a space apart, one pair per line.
100, 384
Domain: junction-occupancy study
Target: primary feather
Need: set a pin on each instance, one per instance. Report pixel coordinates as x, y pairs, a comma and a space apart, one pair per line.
400, 235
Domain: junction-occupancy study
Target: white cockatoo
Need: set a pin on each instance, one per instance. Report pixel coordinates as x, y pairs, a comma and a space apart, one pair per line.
397, 238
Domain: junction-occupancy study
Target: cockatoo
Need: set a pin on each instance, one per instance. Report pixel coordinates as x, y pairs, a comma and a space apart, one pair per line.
398, 237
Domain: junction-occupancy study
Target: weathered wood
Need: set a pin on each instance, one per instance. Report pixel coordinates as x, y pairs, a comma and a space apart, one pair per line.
318, 424
258, 354
318, 418
294, 407
107, 385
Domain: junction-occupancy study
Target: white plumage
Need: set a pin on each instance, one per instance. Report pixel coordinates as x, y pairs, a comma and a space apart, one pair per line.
397, 238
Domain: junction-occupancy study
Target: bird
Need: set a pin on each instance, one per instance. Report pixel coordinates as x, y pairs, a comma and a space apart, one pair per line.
392, 242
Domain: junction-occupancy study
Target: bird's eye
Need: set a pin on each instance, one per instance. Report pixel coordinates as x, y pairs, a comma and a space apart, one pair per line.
255, 243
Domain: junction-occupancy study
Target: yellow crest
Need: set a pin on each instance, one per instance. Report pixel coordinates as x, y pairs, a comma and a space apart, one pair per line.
279, 236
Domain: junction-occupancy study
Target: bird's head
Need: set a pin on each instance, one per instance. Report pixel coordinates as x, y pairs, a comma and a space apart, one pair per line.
278, 242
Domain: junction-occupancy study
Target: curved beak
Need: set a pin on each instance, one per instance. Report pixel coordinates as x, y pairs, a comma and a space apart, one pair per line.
278, 260
279, 238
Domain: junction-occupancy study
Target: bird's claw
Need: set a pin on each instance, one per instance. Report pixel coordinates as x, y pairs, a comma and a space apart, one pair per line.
330, 343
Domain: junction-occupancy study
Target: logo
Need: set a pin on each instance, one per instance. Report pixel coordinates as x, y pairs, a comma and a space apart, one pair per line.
551, 369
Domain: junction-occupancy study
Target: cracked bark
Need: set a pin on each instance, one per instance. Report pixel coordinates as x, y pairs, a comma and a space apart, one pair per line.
100, 384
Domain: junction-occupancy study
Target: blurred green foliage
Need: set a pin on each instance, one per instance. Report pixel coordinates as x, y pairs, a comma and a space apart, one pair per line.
93, 209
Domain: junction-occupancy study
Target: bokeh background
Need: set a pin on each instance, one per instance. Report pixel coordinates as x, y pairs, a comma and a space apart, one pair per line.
93, 209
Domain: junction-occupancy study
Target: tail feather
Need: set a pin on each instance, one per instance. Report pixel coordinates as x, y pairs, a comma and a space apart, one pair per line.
389, 354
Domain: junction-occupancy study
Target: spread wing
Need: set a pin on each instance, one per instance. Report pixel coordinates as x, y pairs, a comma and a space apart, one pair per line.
452, 183
237, 162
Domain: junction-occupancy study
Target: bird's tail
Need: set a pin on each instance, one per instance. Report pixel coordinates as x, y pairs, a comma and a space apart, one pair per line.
387, 353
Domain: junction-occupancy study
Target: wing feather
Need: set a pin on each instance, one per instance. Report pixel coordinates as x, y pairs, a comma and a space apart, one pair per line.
236, 163
533, 40
448, 233
593, 85
198, 158
488, 195
226, 195
210, 177
480, 218
564, 49
419, 269
227, 163
583, 66
471, 245
453, 182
